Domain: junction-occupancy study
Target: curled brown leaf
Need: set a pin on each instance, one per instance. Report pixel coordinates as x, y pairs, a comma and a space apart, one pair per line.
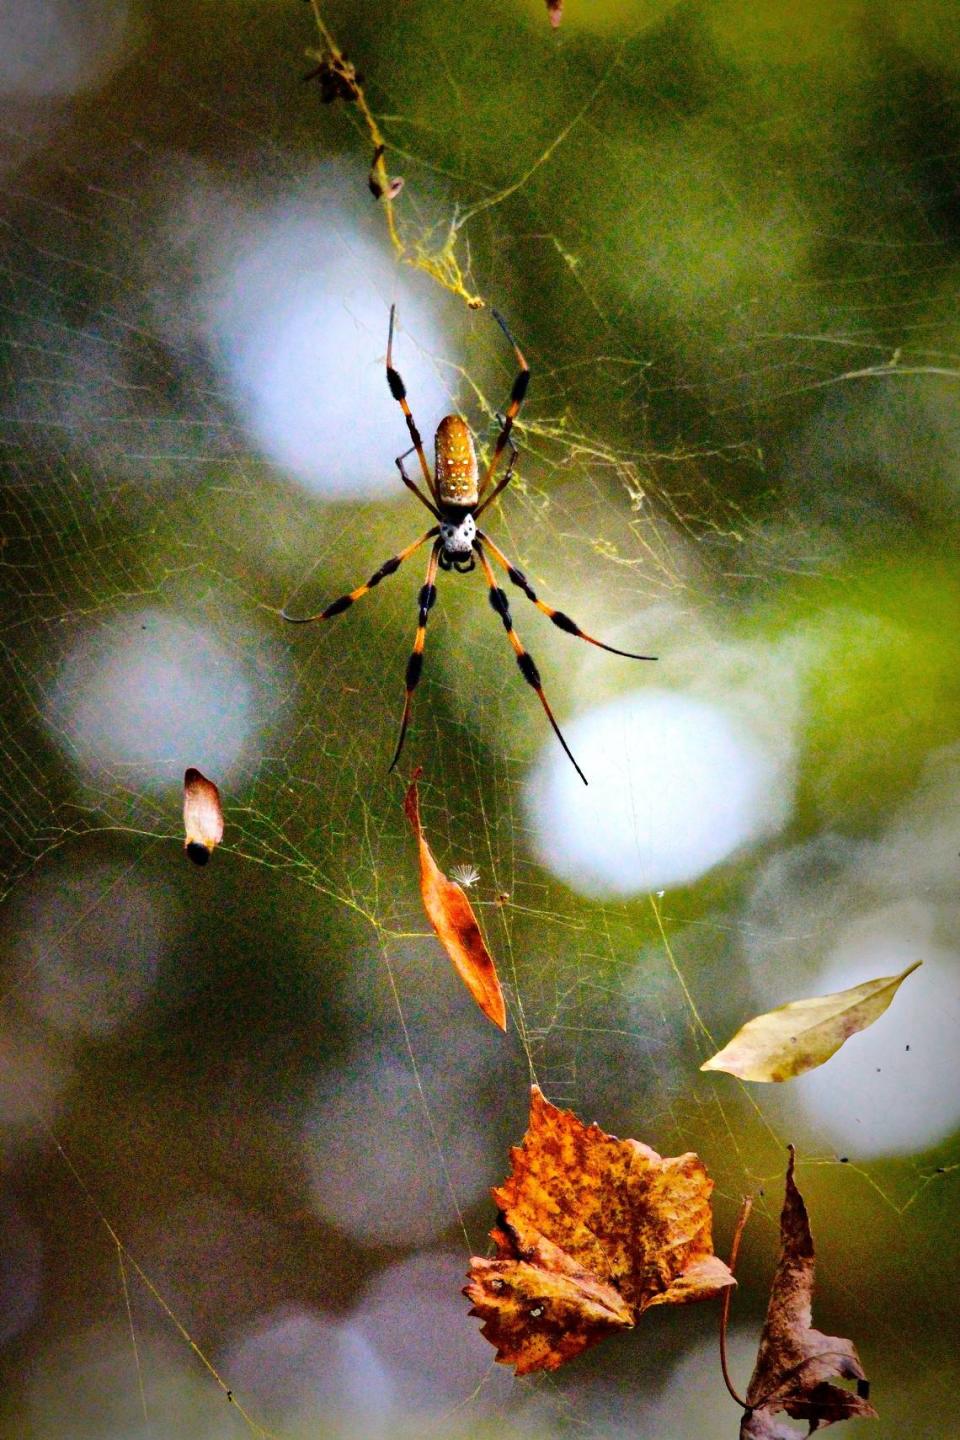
451, 915
378, 181
202, 816
795, 1362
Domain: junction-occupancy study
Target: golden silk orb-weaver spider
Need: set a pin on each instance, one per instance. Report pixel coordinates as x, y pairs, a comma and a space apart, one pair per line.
457, 496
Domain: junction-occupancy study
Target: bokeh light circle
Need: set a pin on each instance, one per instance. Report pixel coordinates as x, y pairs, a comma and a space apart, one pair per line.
677, 784
154, 694
298, 306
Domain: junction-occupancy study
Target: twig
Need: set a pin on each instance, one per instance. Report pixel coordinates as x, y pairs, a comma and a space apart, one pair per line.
742, 1219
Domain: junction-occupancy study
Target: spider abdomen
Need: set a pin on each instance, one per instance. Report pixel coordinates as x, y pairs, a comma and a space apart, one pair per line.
456, 462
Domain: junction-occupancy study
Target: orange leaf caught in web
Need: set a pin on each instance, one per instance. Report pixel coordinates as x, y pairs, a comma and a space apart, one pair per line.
202, 816
795, 1362
592, 1231
451, 915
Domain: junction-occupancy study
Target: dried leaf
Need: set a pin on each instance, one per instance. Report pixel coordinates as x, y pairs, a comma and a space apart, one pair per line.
336, 77
379, 182
202, 816
375, 180
451, 915
795, 1362
592, 1231
555, 12
802, 1035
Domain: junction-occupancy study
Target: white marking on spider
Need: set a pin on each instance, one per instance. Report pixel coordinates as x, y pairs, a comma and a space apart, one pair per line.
458, 539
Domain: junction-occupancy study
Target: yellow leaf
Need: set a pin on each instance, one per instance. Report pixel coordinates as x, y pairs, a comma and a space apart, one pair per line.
802, 1035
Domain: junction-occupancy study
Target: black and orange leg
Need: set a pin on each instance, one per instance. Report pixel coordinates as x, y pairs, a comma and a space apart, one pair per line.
513, 409
562, 621
343, 602
399, 392
412, 484
528, 668
428, 595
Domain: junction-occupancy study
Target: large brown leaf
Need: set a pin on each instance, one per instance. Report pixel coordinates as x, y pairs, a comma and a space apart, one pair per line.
451, 915
795, 1362
592, 1231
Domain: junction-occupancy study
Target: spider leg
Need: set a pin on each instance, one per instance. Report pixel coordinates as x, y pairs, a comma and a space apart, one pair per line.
562, 621
502, 483
344, 602
412, 484
399, 392
516, 400
428, 595
528, 669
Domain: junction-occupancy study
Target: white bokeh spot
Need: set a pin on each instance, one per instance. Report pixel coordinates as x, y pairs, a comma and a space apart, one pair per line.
894, 1089
298, 309
297, 1364
414, 1317
836, 912
51, 48
677, 784
153, 694
89, 944
365, 1140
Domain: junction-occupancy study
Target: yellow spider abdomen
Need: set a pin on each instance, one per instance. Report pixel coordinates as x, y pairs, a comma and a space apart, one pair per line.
456, 462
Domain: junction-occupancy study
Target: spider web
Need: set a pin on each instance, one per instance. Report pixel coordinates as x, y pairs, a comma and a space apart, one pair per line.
737, 301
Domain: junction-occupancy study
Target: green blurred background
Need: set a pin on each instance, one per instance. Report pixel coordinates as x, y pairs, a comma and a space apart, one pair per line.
726, 236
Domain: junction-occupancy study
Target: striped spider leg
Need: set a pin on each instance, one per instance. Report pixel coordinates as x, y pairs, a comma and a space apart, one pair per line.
563, 622
343, 602
526, 662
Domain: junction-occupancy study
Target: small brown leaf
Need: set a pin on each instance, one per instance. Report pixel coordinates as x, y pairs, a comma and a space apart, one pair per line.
592, 1231
336, 77
202, 816
802, 1035
377, 174
451, 915
795, 1362
555, 12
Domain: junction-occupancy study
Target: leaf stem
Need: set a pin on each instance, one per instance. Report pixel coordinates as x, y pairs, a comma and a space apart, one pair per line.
742, 1219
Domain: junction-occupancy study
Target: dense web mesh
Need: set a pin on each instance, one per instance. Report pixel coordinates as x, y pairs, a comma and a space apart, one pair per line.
728, 252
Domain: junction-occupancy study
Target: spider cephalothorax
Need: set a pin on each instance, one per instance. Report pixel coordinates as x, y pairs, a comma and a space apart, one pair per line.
457, 496
458, 531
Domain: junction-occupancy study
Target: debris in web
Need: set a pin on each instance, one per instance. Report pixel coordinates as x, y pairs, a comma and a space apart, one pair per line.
202, 816
804, 1034
337, 78
379, 181
451, 915
795, 1362
591, 1232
